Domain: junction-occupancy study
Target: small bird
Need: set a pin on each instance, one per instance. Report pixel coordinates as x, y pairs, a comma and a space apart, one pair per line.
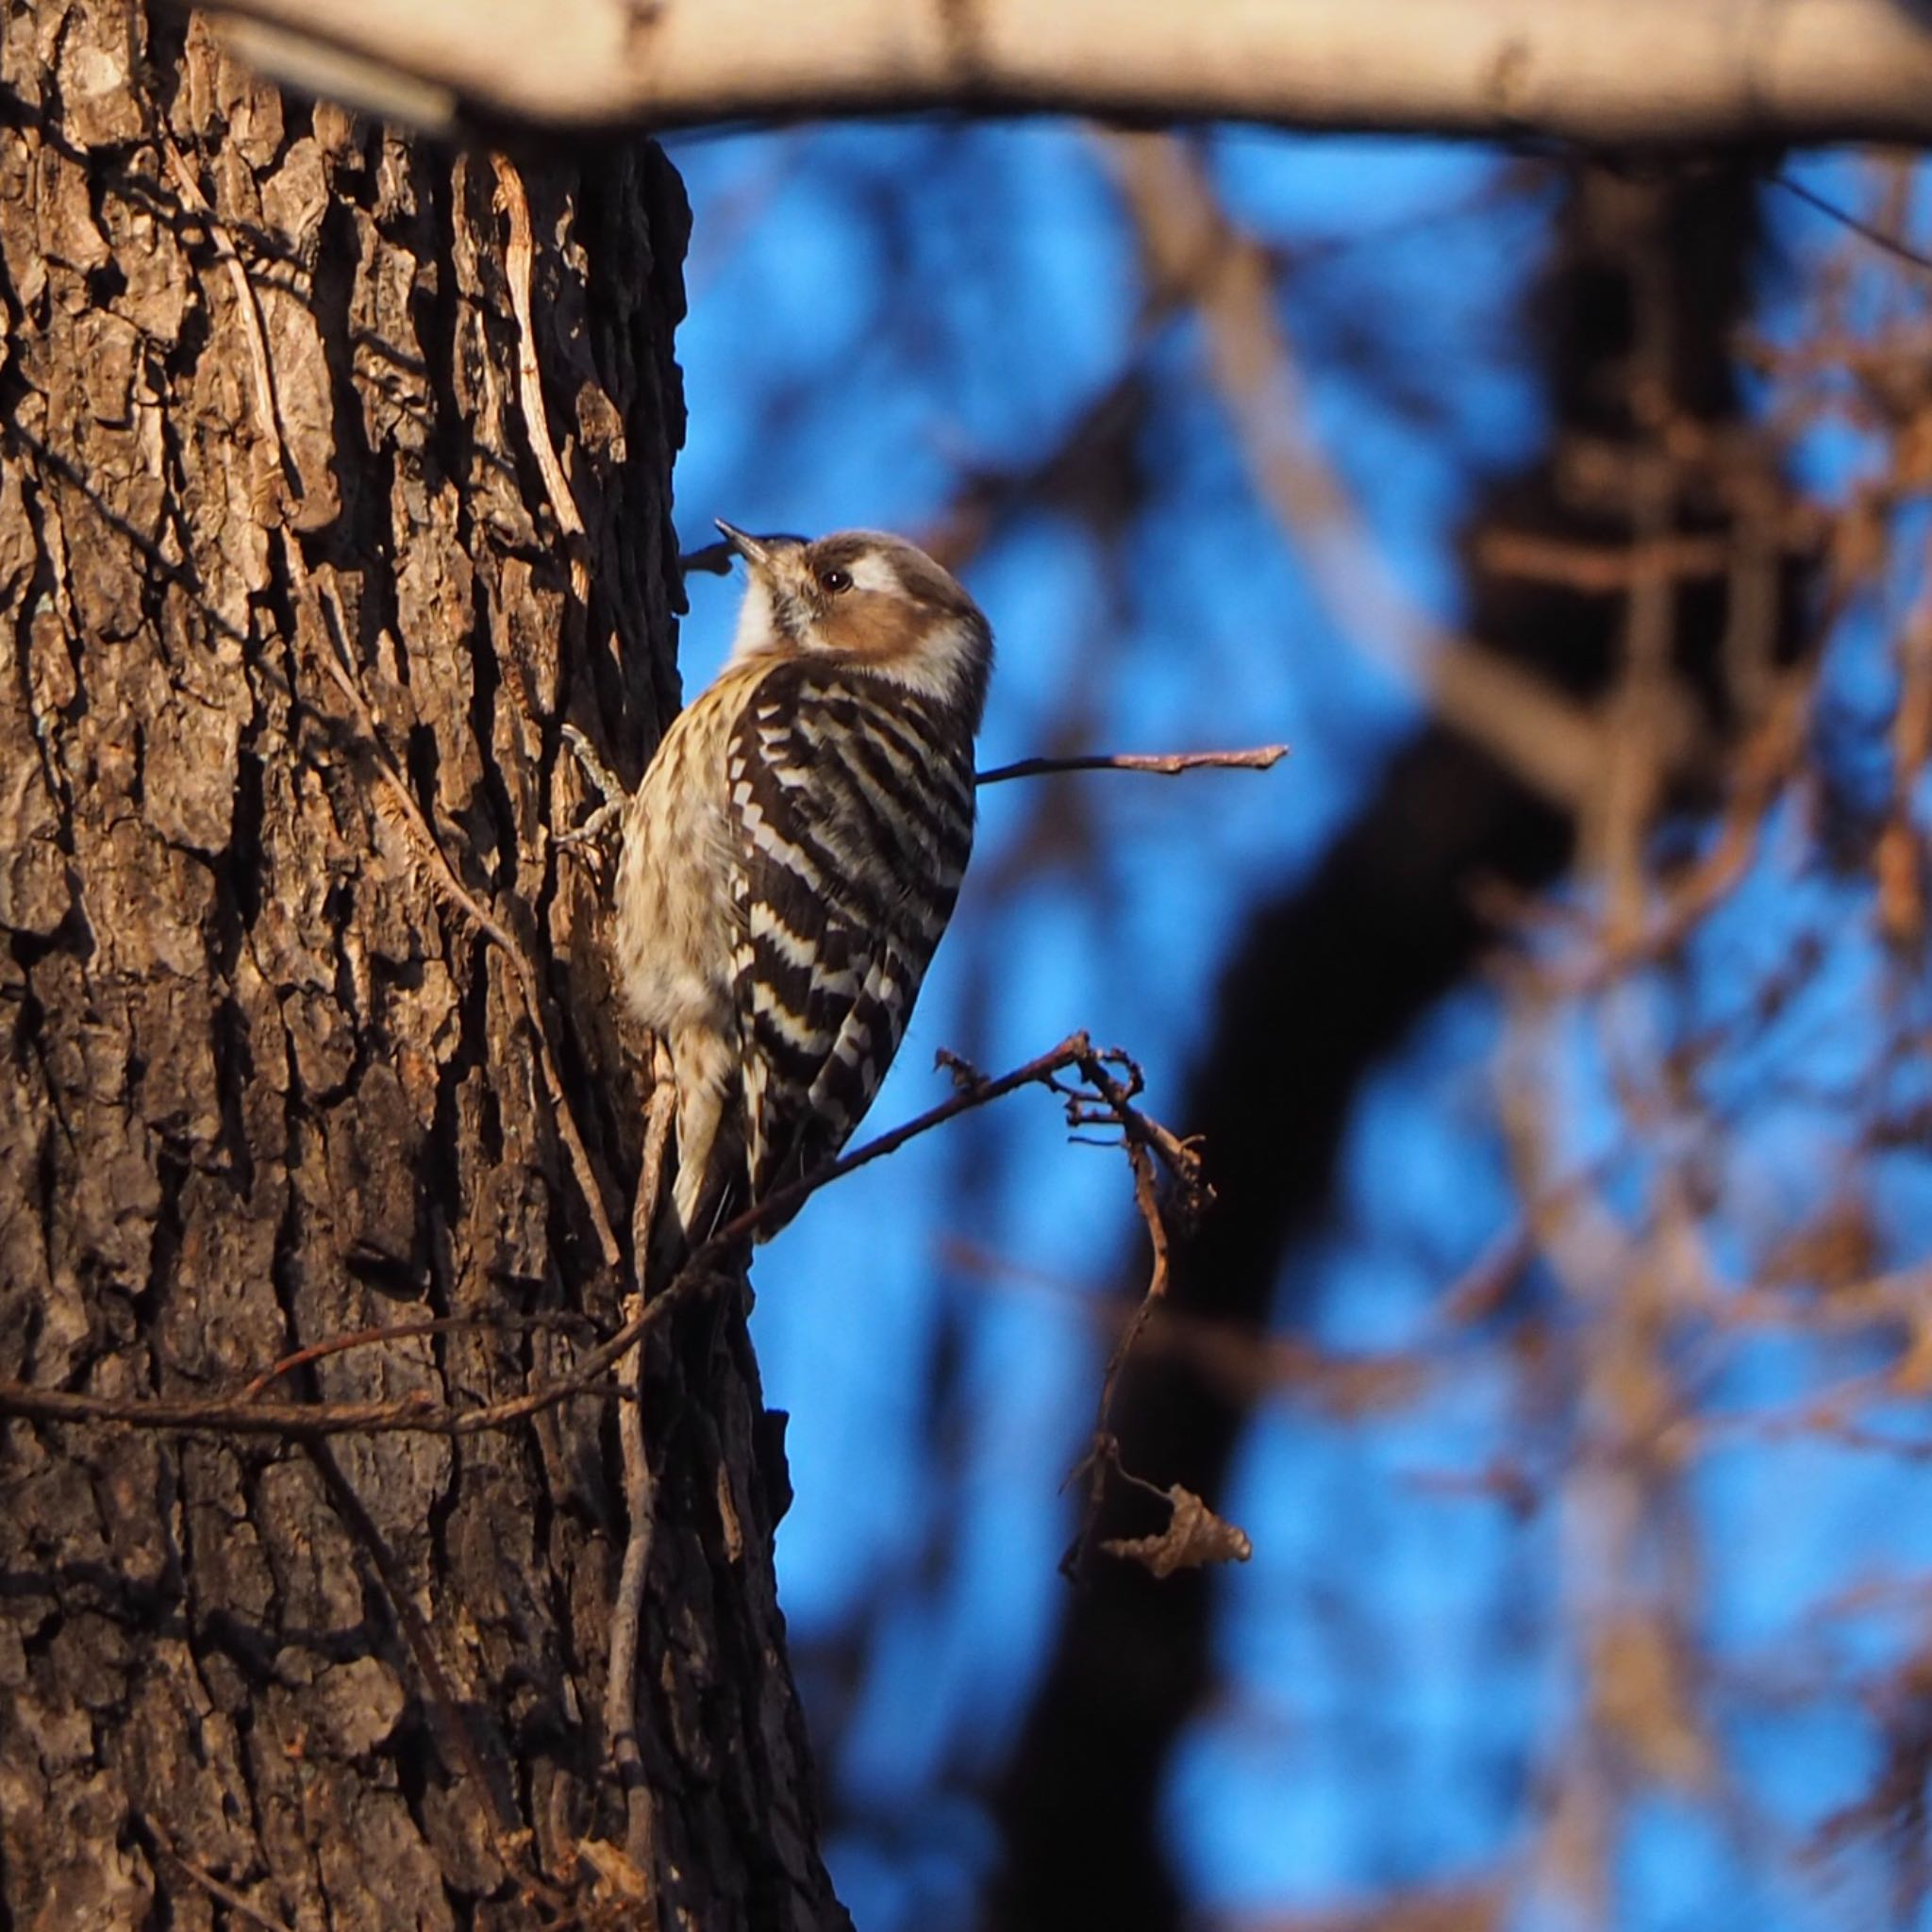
793, 854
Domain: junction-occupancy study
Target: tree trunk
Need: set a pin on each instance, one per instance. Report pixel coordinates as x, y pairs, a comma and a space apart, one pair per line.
305, 1028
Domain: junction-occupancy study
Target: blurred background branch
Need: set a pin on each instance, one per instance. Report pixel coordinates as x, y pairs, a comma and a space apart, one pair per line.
1636, 72
1554, 1023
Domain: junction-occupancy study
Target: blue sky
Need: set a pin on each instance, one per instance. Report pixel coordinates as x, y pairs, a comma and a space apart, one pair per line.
878, 313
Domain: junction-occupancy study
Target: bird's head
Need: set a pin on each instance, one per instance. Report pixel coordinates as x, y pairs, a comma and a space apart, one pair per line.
866, 599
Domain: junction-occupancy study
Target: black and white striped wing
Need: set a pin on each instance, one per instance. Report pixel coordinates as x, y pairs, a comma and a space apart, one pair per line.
854, 809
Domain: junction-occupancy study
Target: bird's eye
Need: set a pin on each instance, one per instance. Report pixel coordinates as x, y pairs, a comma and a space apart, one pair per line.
833, 581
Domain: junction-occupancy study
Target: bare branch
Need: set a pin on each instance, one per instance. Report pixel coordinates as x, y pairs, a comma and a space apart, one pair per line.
1605, 72
1260, 757
518, 257
381, 1335
268, 419
620, 1714
1196, 255
1615, 569
1878, 237
421, 1414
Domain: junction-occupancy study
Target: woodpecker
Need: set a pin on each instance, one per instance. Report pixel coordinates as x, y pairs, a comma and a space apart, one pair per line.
793, 854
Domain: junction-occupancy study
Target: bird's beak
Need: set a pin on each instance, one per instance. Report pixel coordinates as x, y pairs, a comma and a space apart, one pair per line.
754, 552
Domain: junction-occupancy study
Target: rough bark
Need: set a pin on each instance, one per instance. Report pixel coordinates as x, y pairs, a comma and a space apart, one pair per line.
1328, 979
264, 1081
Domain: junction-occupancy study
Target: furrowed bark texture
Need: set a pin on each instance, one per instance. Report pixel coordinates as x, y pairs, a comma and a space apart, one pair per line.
263, 1081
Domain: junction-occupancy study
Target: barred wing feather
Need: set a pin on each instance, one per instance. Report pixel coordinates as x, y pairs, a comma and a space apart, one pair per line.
853, 801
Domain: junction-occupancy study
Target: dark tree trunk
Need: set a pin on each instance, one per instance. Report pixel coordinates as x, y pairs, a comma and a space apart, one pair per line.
277, 561
1326, 980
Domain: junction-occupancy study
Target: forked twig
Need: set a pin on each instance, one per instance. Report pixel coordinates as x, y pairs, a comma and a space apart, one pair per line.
1150, 1150
418, 1414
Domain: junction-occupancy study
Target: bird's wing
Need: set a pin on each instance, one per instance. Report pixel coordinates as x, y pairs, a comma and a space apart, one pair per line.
852, 833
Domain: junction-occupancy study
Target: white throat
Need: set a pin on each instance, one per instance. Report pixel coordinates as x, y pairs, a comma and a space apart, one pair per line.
757, 633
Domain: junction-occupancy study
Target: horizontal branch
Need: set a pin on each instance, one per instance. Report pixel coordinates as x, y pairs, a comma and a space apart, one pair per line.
1165, 764
421, 1413
1600, 72
1195, 254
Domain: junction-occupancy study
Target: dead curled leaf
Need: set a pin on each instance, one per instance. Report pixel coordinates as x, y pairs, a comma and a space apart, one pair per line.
1194, 1536
615, 1869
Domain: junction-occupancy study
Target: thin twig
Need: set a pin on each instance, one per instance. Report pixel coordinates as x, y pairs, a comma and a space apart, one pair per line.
518, 257
1878, 237
500, 1829
1145, 1141
1612, 569
417, 1413
225, 1894
1762, 768
1260, 757
1198, 257
1111, 1084
406, 1331
640, 1497
445, 881
267, 415
977, 1091
1165, 764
